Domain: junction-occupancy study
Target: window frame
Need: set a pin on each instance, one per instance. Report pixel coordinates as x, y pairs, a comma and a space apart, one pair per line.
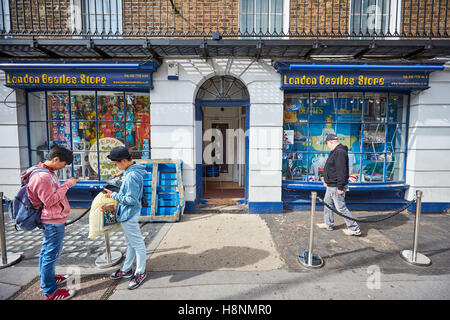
6, 16
392, 13
285, 16
97, 121
404, 124
83, 14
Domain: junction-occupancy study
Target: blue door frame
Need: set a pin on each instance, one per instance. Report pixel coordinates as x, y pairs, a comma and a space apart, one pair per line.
198, 117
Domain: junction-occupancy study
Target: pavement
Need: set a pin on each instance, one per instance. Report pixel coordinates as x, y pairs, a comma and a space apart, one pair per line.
238, 256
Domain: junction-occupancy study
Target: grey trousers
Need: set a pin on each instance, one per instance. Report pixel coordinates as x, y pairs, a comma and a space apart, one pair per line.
337, 201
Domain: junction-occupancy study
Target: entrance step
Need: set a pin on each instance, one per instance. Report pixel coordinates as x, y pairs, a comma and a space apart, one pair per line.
221, 206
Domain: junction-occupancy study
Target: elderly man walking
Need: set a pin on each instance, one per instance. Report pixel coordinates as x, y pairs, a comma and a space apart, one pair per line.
336, 172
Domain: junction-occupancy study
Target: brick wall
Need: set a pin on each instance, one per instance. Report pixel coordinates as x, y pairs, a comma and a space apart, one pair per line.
40, 15
203, 17
324, 17
189, 17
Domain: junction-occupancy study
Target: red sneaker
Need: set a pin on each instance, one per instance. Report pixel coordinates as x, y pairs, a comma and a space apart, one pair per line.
61, 294
59, 280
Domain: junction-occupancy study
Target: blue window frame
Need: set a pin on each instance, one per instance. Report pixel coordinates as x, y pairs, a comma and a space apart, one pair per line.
373, 125
90, 123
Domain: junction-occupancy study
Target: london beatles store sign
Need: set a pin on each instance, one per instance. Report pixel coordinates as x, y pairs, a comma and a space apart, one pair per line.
354, 80
40, 79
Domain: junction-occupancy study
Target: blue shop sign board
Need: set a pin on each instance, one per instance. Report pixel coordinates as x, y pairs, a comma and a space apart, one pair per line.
79, 78
351, 80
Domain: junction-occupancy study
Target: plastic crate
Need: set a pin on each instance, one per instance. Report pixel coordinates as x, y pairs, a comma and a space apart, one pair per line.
163, 190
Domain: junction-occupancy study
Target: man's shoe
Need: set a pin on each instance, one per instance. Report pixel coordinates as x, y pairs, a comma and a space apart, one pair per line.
61, 294
59, 280
119, 274
137, 280
350, 232
324, 226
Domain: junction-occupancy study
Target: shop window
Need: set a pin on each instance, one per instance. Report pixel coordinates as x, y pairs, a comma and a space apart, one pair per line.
90, 125
102, 16
372, 126
261, 16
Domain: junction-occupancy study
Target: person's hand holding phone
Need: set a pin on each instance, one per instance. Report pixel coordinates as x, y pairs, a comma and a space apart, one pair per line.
107, 193
74, 181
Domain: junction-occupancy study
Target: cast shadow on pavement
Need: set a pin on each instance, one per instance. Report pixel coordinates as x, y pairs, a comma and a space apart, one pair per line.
227, 258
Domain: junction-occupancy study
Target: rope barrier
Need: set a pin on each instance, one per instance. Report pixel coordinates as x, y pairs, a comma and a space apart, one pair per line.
367, 220
75, 220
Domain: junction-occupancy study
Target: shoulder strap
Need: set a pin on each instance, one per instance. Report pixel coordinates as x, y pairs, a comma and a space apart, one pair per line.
37, 170
34, 171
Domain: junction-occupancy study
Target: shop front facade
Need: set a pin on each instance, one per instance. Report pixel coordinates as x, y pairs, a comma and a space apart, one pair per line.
368, 108
86, 108
261, 124
243, 92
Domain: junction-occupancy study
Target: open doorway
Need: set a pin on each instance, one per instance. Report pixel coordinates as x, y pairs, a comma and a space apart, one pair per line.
223, 153
222, 119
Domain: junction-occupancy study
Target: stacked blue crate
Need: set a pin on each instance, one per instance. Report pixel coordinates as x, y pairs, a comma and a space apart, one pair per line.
163, 197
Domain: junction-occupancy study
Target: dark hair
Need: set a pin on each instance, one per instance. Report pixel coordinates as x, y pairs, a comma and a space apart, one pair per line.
62, 153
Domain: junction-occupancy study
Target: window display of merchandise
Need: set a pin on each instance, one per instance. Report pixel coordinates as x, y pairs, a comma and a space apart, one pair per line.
371, 125
59, 114
83, 120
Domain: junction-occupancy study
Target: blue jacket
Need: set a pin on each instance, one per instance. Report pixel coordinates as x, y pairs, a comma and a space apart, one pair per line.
130, 193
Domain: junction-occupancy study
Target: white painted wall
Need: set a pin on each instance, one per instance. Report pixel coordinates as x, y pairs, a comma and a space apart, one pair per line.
174, 128
13, 138
172, 124
428, 159
266, 129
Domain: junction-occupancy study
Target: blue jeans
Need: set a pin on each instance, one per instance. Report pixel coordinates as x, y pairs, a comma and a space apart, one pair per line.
52, 245
135, 245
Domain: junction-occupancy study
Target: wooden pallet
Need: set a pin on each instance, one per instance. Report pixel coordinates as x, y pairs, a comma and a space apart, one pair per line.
163, 190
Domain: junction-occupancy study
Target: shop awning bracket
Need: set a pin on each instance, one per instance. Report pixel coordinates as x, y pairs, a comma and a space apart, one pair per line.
91, 45
35, 45
155, 56
364, 51
315, 46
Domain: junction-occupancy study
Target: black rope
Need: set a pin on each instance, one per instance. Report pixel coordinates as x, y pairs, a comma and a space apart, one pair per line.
81, 216
367, 220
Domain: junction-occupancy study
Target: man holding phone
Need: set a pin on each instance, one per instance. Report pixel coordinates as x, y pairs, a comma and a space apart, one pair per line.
45, 190
127, 212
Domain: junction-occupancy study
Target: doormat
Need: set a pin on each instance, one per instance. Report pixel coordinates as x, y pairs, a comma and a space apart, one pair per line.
89, 287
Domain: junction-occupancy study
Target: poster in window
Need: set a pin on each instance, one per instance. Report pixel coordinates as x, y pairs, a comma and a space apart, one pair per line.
290, 116
288, 137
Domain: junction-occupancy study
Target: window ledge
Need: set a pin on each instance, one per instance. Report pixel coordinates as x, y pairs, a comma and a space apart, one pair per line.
294, 185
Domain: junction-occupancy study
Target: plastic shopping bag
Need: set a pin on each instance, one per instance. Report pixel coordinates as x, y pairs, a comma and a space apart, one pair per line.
102, 216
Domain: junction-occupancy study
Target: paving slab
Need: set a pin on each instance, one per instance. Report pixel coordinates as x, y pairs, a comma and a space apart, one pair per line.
217, 242
355, 284
89, 287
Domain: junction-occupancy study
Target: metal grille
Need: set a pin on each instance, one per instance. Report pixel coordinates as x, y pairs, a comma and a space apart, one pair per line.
226, 18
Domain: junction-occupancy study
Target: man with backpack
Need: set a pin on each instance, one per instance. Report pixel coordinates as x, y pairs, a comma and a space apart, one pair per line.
44, 190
